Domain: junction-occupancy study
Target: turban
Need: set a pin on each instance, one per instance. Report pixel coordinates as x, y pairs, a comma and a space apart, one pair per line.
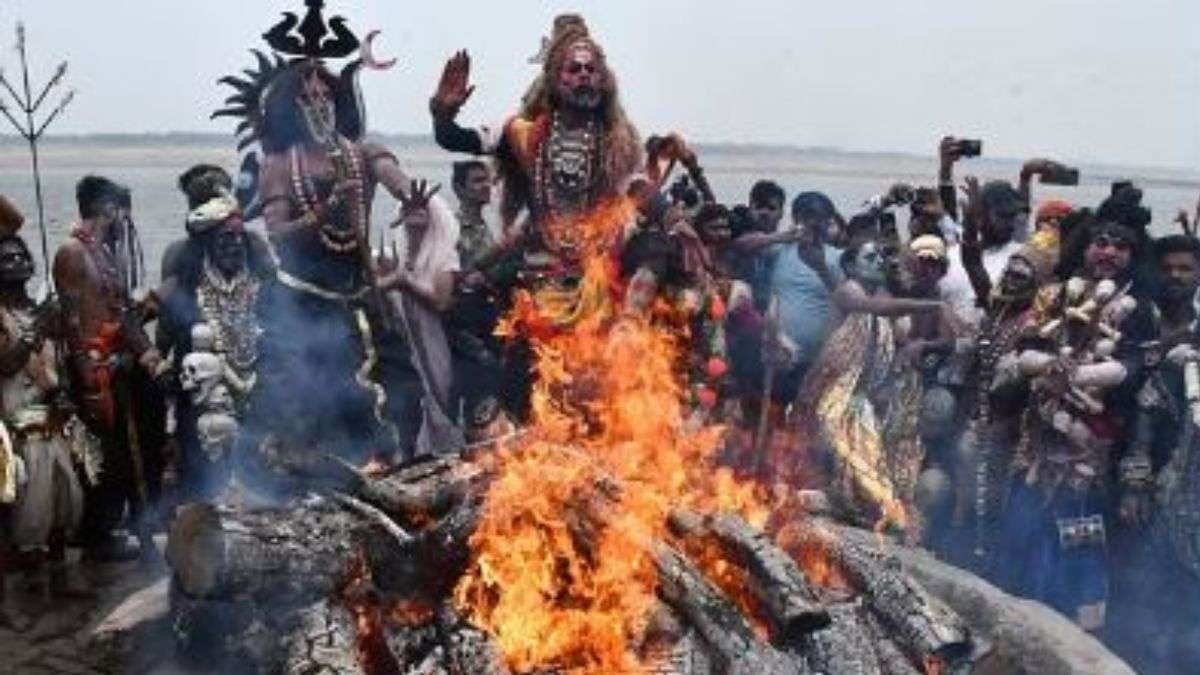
1053, 208
211, 214
928, 247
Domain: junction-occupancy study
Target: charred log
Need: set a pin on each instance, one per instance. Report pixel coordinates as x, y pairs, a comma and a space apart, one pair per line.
844, 646
927, 630
421, 493
299, 554
296, 555
736, 648
892, 660
775, 579
323, 639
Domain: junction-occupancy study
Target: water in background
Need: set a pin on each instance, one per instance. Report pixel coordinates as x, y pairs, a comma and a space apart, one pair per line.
150, 166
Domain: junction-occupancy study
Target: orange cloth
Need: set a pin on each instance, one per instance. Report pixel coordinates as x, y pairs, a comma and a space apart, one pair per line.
1053, 208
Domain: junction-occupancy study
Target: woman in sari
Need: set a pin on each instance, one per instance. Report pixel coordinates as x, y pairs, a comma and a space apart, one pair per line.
863, 407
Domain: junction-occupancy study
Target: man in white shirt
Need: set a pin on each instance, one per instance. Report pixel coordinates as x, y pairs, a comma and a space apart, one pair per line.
1005, 215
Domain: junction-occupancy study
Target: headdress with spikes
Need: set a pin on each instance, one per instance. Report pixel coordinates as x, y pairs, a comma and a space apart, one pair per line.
310, 39
308, 42
246, 102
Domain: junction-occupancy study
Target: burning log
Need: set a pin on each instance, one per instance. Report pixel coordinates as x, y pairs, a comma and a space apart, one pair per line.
719, 623
417, 494
775, 579
928, 630
467, 650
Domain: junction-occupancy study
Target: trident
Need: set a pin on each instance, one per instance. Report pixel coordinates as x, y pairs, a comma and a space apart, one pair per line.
31, 131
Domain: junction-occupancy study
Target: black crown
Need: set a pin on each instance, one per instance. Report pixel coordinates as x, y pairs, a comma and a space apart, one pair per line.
310, 39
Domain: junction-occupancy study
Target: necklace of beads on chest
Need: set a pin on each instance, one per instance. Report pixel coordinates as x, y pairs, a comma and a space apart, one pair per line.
564, 172
348, 164
229, 308
105, 262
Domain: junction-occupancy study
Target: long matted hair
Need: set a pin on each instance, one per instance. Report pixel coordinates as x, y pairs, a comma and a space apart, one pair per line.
620, 147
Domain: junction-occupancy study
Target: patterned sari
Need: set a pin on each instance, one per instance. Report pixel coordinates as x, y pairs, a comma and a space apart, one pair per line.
865, 407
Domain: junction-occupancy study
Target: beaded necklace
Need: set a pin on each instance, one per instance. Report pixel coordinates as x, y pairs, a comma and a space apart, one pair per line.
564, 175
347, 163
228, 306
106, 264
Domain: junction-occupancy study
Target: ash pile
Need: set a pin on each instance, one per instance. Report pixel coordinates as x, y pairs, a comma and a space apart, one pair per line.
360, 580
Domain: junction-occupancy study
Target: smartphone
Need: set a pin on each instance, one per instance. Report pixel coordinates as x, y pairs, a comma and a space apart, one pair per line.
1061, 175
970, 147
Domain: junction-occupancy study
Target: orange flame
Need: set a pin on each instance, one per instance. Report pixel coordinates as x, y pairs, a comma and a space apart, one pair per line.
607, 408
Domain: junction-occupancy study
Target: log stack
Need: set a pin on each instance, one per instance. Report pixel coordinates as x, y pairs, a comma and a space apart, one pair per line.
357, 581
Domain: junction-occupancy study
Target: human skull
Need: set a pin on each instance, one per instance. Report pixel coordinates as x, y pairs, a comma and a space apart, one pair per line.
201, 370
217, 432
204, 339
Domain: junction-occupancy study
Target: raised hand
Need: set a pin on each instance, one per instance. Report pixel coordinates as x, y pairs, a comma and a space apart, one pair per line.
972, 209
418, 197
454, 87
948, 151
1184, 221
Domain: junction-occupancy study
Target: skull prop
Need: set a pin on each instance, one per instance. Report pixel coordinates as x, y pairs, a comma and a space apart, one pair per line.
217, 432
201, 372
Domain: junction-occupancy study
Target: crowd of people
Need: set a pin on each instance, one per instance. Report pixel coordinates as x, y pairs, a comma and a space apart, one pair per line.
1013, 382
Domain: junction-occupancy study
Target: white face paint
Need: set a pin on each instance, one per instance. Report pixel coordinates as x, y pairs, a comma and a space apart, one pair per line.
868, 265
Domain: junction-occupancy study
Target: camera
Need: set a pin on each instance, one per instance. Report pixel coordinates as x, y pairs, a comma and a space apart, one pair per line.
1059, 174
970, 147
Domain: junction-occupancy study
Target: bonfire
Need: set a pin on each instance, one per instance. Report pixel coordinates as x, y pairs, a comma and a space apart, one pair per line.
606, 536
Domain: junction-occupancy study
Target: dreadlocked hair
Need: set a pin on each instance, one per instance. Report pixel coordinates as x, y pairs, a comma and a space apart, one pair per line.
620, 147
131, 257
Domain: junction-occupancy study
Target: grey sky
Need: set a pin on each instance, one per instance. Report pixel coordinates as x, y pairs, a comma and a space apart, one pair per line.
1092, 80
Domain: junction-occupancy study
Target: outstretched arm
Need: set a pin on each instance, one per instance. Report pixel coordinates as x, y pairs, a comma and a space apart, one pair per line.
852, 299
755, 241
385, 168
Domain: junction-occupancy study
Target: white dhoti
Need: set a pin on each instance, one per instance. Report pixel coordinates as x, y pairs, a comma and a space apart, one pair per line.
51, 499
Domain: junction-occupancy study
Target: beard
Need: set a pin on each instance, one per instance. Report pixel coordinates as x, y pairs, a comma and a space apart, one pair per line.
1178, 292
582, 97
